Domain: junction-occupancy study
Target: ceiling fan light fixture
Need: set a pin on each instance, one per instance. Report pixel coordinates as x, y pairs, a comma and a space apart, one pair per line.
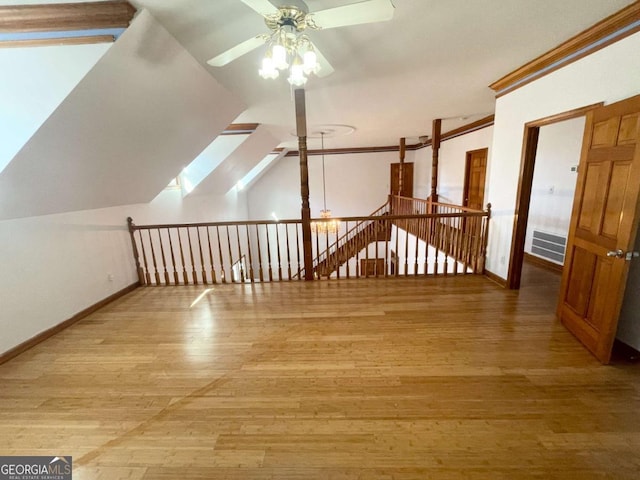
310, 62
279, 56
268, 71
297, 77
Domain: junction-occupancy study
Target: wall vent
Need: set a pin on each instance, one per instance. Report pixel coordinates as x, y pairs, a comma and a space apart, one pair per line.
549, 246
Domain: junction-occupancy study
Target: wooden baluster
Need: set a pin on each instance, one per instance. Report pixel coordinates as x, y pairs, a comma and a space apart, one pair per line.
193, 262
297, 226
478, 245
269, 256
426, 257
417, 252
231, 262
406, 247
147, 275
387, 230
376, 236
240, 255
346, 229
485, 238
251, 272
366, 231
260, 271
156, 274
339, 254
222, 269
436, 242
318, 267
213, 269
443, 242
358, 266
176, 280
286, 232
185, 276
278, 251
469, 243
204, 271
164, 261
136, 255
457, 247
396, 258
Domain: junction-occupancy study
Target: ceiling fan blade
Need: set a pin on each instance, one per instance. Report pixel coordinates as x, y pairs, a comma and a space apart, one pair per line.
325, 67
237, 51
263, 7
369, 11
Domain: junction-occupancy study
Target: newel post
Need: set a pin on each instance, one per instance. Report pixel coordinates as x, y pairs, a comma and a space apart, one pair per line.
136, 256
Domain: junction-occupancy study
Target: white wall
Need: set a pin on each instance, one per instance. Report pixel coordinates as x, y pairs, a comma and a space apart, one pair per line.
608, 75
421, 171
554, 183
452, 159
57, 265
356, 185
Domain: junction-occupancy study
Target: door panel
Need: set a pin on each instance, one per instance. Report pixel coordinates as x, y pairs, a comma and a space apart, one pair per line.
628, 129
604, 133
604, 219
583, 264
615, 199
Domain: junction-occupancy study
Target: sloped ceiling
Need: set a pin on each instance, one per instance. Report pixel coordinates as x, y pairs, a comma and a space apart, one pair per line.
145, 111
434, 59
233, 169
36, 81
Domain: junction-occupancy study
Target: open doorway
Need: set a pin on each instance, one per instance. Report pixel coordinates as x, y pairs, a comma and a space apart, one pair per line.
526, 193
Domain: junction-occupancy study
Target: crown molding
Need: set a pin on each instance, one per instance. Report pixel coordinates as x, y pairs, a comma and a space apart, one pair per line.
469, 128
609, 30
465, 129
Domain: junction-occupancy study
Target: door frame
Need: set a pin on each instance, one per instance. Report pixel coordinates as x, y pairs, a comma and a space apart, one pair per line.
525, 183
467, 171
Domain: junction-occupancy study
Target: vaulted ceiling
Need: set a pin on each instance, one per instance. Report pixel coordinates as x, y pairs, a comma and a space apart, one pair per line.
152, 104
434, 59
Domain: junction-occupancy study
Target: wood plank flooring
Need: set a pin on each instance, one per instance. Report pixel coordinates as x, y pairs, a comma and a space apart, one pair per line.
437, 378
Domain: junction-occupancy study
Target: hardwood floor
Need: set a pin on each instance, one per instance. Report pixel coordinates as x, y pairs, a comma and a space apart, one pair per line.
447, 378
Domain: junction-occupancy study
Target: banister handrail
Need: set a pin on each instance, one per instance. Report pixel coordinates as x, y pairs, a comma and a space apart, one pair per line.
207, 252
428, 202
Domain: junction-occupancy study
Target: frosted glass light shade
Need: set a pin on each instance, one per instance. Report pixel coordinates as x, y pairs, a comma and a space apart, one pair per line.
279, 53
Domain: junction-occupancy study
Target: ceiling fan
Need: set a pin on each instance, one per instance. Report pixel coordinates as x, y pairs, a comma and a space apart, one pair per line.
289, 47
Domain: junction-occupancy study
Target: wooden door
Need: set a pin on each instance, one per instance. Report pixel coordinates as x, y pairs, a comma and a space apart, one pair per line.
407, 179
474, 179
603, 226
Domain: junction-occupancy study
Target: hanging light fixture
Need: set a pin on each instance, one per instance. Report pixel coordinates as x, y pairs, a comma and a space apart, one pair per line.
327, 225
288, 48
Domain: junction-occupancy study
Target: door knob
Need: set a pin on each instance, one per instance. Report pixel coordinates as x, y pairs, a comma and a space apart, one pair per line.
616, 254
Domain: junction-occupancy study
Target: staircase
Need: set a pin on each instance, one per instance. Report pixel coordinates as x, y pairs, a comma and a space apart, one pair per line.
368, 232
